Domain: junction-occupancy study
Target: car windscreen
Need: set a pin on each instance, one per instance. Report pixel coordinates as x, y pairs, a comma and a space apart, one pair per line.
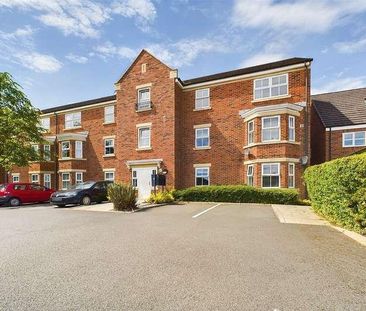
82, 186
2, 187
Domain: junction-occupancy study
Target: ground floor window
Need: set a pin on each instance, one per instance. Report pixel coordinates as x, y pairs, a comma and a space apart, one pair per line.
250, 174
270, 175
202, 176
291, 175
35, 178
65, 178
109, 176
15, 178
47, 180
78, 177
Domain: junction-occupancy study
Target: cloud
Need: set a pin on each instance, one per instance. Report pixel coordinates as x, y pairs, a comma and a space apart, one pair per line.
77, 59
262, 58
350, 47
341, 84
83, 17
17, 47
108, 49
299, 16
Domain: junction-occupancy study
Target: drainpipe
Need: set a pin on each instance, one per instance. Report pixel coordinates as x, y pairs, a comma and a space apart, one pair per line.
56, 152
306, 121
330, 144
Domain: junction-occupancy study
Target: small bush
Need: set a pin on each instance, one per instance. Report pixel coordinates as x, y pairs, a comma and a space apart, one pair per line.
238, 194
122, 196
161, 197
337, 191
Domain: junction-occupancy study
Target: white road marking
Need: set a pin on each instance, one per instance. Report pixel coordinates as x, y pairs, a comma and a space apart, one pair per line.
206, 210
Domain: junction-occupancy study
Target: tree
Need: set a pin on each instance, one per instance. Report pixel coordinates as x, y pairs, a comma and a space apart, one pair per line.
19, 125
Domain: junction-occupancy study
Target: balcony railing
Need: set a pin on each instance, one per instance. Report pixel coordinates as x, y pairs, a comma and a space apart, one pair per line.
143, 106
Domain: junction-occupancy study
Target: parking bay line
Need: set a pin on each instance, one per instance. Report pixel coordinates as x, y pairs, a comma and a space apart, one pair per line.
206, 210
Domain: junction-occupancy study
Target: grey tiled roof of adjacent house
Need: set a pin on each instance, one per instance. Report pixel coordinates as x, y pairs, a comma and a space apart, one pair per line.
341, 108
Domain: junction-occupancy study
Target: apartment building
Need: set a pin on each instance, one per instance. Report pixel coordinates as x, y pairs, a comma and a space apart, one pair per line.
246, 126
338, 124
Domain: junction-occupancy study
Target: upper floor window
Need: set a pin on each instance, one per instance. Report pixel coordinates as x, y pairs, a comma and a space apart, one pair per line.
78, 149
271, 87
46, 123
354, 139
291, 128
72, 120
202, 176
144, 137
109, 146
65, 149
270, 175
36, 148
202, 137
109, 114
202, 99
250, 132
143, 101
250, 175
271, 128
47, 152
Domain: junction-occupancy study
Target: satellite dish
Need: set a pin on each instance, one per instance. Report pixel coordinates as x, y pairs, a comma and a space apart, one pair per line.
304, 160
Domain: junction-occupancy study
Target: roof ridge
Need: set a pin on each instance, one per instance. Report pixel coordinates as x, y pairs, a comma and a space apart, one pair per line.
348, 90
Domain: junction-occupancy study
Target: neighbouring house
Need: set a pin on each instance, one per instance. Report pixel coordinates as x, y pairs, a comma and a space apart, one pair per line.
250, 125
338, 124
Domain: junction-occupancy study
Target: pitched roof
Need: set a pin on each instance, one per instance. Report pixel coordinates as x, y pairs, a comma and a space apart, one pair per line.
341, 108
247, 70
80, 104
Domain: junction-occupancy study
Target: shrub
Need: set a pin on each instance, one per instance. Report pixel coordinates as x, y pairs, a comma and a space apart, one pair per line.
161, 197
337, 191
122, 196
238, 194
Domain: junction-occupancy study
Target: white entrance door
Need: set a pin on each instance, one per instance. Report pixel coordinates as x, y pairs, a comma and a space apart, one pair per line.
142, 177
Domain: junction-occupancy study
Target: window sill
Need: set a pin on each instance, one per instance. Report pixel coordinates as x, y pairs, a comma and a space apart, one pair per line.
270, 98
144, 110
143, 149
68, 159
272, 142
72, 128
108, 123
202, 148
109, 155
202, 109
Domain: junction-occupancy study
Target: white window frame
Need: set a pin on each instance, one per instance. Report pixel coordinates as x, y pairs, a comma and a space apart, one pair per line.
279, 174
47, 152
36, 180
78, 149
195, 175
46, 123
73, 120
36, 148
250, 175
208, 136
143, 104
353, 134
139, 130
68, 180
291, 175
278, 127
79, 177
269, 86
134, 178
200, 98
291, 128
109, 114
65, 149
15, 177
251, 132
111, 146
109, 172
47, 183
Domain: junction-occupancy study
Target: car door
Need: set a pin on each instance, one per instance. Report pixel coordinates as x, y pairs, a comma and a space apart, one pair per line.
97, 192
22, 192
38, 193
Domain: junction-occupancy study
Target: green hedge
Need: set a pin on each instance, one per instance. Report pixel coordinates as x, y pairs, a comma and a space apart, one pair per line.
238, 194
336, 190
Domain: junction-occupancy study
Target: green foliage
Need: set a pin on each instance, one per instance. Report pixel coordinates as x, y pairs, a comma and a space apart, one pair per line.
161, 197
238, 194
337, 191
122, 196
19, 125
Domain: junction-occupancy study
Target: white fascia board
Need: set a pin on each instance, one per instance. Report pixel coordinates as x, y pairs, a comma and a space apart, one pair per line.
346, 127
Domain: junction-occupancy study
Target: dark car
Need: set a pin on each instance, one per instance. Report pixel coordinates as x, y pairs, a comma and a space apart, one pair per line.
83, 193
15, 194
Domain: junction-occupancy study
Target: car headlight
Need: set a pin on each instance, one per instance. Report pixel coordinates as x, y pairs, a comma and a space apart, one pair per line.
70, 194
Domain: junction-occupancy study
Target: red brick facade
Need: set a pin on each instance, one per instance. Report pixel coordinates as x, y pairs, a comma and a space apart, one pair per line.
172, 121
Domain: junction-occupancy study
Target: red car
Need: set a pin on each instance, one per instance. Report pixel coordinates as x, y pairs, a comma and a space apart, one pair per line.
15, 194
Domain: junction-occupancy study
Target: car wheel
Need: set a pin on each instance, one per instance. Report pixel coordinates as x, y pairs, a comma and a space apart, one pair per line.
14, 202
85, 200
